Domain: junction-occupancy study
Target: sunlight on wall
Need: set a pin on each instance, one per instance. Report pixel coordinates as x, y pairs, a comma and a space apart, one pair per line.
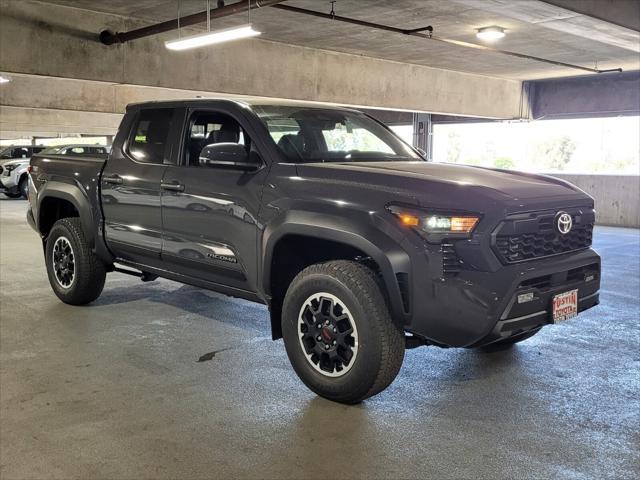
594, 145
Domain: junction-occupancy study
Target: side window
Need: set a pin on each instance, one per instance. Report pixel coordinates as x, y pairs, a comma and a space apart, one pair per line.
77, 150
150, 133
207, 128
21, 152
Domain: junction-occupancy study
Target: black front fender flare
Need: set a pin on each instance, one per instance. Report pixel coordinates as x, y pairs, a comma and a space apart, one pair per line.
386, 252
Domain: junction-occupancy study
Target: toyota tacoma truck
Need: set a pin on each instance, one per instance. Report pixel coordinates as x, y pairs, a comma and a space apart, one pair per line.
358, 246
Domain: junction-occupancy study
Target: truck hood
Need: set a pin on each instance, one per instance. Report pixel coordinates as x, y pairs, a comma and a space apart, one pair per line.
424, 178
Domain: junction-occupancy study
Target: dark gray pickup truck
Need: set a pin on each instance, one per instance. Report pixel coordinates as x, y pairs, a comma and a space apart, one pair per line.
358, 246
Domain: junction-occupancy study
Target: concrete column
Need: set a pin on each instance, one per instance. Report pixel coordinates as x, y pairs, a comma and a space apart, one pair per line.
423, 133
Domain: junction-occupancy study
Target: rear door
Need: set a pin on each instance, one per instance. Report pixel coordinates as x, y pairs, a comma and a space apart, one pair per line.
130, 186
209, 213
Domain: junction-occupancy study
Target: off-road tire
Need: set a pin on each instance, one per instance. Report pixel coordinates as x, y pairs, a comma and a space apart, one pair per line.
381, 342
89, 271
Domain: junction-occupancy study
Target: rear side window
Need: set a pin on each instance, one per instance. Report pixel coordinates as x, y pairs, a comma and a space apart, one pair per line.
150, 134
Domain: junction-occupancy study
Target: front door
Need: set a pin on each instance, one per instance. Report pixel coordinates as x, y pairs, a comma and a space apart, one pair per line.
210, 213
130, 187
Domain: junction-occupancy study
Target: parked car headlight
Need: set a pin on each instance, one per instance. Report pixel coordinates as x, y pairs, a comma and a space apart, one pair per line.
435, 226
10, 168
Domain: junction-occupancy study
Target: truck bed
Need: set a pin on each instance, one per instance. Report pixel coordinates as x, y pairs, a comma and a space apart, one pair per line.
68, 175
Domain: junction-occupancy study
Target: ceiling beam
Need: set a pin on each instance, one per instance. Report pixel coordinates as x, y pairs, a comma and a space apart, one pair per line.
624, 13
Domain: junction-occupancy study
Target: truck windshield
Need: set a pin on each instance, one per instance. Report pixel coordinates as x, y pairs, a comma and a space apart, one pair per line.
325, 135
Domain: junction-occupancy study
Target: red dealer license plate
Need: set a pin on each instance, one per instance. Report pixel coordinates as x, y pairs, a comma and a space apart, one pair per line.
565, 306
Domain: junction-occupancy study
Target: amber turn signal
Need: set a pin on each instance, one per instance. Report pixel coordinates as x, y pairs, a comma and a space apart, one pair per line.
409, 220
463, 224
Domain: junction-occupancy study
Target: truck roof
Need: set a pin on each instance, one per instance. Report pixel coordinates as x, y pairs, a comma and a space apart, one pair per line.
244, 101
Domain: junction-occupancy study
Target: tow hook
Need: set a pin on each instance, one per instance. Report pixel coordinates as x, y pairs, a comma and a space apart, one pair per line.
411, 341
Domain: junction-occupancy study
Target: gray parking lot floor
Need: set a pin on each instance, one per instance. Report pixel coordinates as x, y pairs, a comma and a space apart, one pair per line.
114, 390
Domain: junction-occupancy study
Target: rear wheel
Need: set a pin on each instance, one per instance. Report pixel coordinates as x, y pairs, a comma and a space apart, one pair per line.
75, 273
508, 343
338, 333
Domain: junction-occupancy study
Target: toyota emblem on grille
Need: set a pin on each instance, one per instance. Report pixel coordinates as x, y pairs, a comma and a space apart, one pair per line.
564, 222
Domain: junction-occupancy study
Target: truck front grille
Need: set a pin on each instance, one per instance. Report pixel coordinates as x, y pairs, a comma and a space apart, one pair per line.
516, 248
531, 236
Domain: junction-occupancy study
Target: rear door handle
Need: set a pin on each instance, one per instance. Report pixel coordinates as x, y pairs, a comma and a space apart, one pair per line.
113, 179
172, 186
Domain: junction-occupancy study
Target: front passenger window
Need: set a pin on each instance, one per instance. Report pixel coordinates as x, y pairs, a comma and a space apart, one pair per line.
211, 128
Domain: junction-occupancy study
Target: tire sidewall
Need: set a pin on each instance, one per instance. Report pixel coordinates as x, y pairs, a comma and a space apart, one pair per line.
61, 229
362, 374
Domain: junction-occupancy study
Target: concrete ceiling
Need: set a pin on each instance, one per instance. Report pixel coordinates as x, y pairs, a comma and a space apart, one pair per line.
603, 33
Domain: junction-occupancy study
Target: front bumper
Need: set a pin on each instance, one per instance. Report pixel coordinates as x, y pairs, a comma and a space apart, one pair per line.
474, 308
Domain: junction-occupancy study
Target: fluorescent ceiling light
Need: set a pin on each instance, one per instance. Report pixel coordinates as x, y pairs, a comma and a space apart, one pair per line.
209, 38
4, 79
490, 33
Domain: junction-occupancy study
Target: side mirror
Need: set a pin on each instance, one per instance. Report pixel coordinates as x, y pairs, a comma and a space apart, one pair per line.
228, 155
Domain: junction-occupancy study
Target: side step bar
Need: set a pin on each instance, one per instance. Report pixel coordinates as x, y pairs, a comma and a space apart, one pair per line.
144, 276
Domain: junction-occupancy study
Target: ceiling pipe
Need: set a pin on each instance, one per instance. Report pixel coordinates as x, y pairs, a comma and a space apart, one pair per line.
109, 38
418, 32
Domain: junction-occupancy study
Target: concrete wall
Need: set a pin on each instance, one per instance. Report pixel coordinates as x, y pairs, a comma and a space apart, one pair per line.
617, 197
56, 41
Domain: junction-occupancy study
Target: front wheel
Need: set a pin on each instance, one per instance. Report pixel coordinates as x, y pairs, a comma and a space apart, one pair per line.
75, 273
338, 333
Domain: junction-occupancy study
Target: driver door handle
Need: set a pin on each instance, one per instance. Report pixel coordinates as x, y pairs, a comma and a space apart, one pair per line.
172, 186
113, 179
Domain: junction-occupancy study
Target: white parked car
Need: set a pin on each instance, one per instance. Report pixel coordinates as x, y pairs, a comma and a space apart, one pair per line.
14, 162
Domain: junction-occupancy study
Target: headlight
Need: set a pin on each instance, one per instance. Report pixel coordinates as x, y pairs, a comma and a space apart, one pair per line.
10, 168
435, 226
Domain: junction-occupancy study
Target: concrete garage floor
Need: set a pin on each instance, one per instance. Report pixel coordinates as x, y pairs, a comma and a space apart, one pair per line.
114, 390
